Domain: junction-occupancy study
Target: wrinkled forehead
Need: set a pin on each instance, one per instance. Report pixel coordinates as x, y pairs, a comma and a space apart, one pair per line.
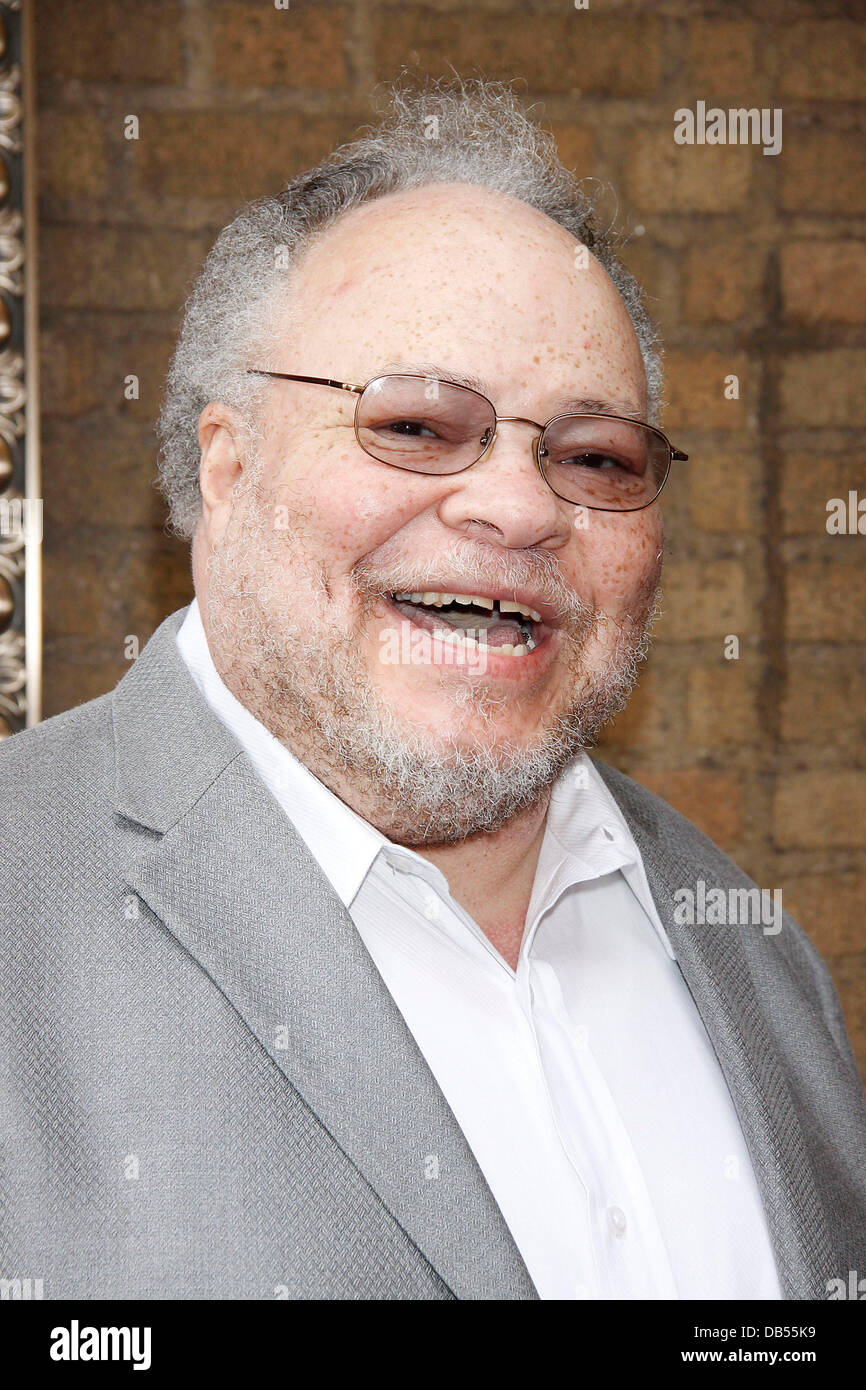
466, 276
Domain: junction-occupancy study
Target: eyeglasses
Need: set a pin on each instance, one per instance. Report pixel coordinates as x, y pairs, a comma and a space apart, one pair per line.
423, 425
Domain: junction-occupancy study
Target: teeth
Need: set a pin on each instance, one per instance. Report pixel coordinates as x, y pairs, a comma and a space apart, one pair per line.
433, 599
458, 637
506, 606
480, 602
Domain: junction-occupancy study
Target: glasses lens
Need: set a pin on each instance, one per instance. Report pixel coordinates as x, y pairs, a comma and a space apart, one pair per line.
615, 465
422, 424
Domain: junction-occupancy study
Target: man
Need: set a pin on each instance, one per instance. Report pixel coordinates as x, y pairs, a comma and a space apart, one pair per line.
333, 966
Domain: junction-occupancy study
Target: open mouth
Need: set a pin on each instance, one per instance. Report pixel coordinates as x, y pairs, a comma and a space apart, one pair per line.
498, 625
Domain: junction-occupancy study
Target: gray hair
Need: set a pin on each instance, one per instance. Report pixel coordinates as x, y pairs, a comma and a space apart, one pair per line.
451, 131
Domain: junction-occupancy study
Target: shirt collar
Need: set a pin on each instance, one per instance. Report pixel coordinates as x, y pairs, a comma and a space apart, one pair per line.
586, 834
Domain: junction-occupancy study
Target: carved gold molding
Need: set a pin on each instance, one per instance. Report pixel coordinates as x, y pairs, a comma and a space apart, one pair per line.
20, 487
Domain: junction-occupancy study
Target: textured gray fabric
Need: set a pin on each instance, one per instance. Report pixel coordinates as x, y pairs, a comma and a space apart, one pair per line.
207, 1090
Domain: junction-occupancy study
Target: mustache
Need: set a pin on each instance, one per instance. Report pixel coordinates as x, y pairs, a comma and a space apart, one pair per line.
470, 566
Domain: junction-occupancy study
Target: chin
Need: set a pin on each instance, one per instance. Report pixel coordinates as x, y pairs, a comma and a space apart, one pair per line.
469, 722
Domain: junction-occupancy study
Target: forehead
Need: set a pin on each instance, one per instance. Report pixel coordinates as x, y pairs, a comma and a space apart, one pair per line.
468, 277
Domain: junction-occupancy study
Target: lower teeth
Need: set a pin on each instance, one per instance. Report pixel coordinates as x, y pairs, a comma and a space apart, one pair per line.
461, 637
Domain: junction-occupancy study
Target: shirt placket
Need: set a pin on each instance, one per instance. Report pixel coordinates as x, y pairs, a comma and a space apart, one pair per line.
628, 1251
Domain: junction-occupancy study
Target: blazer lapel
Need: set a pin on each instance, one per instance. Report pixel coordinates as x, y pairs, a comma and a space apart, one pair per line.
717, 973
238, 888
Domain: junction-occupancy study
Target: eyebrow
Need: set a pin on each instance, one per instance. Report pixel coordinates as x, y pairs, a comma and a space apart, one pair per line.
593, 405
561, 405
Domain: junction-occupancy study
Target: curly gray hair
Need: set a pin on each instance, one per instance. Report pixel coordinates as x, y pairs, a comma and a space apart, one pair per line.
451, 131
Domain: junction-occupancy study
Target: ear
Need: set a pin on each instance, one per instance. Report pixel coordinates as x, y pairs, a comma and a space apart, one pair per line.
223, 443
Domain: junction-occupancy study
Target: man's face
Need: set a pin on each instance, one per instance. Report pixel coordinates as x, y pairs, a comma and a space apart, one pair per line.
298, 560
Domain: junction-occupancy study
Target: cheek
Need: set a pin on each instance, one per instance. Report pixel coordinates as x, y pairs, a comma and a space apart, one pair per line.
375, 511
623, 559
345, 508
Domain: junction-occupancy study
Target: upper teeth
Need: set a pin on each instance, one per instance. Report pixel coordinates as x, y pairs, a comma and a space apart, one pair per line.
438, 600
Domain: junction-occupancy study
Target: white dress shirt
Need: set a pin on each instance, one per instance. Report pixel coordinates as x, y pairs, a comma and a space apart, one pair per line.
584, 1081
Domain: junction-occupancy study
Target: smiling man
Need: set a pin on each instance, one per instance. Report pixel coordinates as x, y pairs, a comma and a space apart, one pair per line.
335, 966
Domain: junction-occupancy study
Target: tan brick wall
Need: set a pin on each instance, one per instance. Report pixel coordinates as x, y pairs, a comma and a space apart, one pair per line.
756, 266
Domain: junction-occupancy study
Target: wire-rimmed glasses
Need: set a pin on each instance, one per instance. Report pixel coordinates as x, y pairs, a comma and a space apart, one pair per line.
607, 463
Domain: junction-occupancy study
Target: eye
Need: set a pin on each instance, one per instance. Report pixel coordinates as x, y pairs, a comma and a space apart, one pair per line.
408, 429
598, 462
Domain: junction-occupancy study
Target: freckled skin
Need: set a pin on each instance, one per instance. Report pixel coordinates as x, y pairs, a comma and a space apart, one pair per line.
480, 283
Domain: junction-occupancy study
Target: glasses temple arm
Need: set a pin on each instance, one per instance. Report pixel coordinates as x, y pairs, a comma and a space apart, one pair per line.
311, 380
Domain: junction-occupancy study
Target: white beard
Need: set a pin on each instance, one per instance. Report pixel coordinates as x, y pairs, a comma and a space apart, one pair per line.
307, 682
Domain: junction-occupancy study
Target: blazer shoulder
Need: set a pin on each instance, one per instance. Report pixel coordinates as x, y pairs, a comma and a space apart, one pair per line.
58, 761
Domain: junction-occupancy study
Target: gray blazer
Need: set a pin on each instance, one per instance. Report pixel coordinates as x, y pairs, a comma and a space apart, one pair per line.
207, 1090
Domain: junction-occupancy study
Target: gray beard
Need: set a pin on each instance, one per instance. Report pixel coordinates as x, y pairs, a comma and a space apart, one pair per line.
307, 682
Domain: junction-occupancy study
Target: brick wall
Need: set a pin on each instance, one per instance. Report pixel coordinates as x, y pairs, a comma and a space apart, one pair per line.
756, 269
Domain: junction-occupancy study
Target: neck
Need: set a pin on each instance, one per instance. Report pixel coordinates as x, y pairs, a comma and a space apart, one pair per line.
491, 876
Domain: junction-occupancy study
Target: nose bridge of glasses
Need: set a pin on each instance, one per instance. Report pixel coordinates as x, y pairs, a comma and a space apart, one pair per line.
520, 420
512, 419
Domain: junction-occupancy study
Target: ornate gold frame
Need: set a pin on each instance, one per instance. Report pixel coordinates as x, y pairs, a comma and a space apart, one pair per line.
20, 486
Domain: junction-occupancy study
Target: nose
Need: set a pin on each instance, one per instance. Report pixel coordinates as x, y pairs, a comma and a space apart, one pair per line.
505, 493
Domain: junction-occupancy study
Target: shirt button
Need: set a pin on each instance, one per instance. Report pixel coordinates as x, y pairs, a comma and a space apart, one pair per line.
618, 1223
431, 907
